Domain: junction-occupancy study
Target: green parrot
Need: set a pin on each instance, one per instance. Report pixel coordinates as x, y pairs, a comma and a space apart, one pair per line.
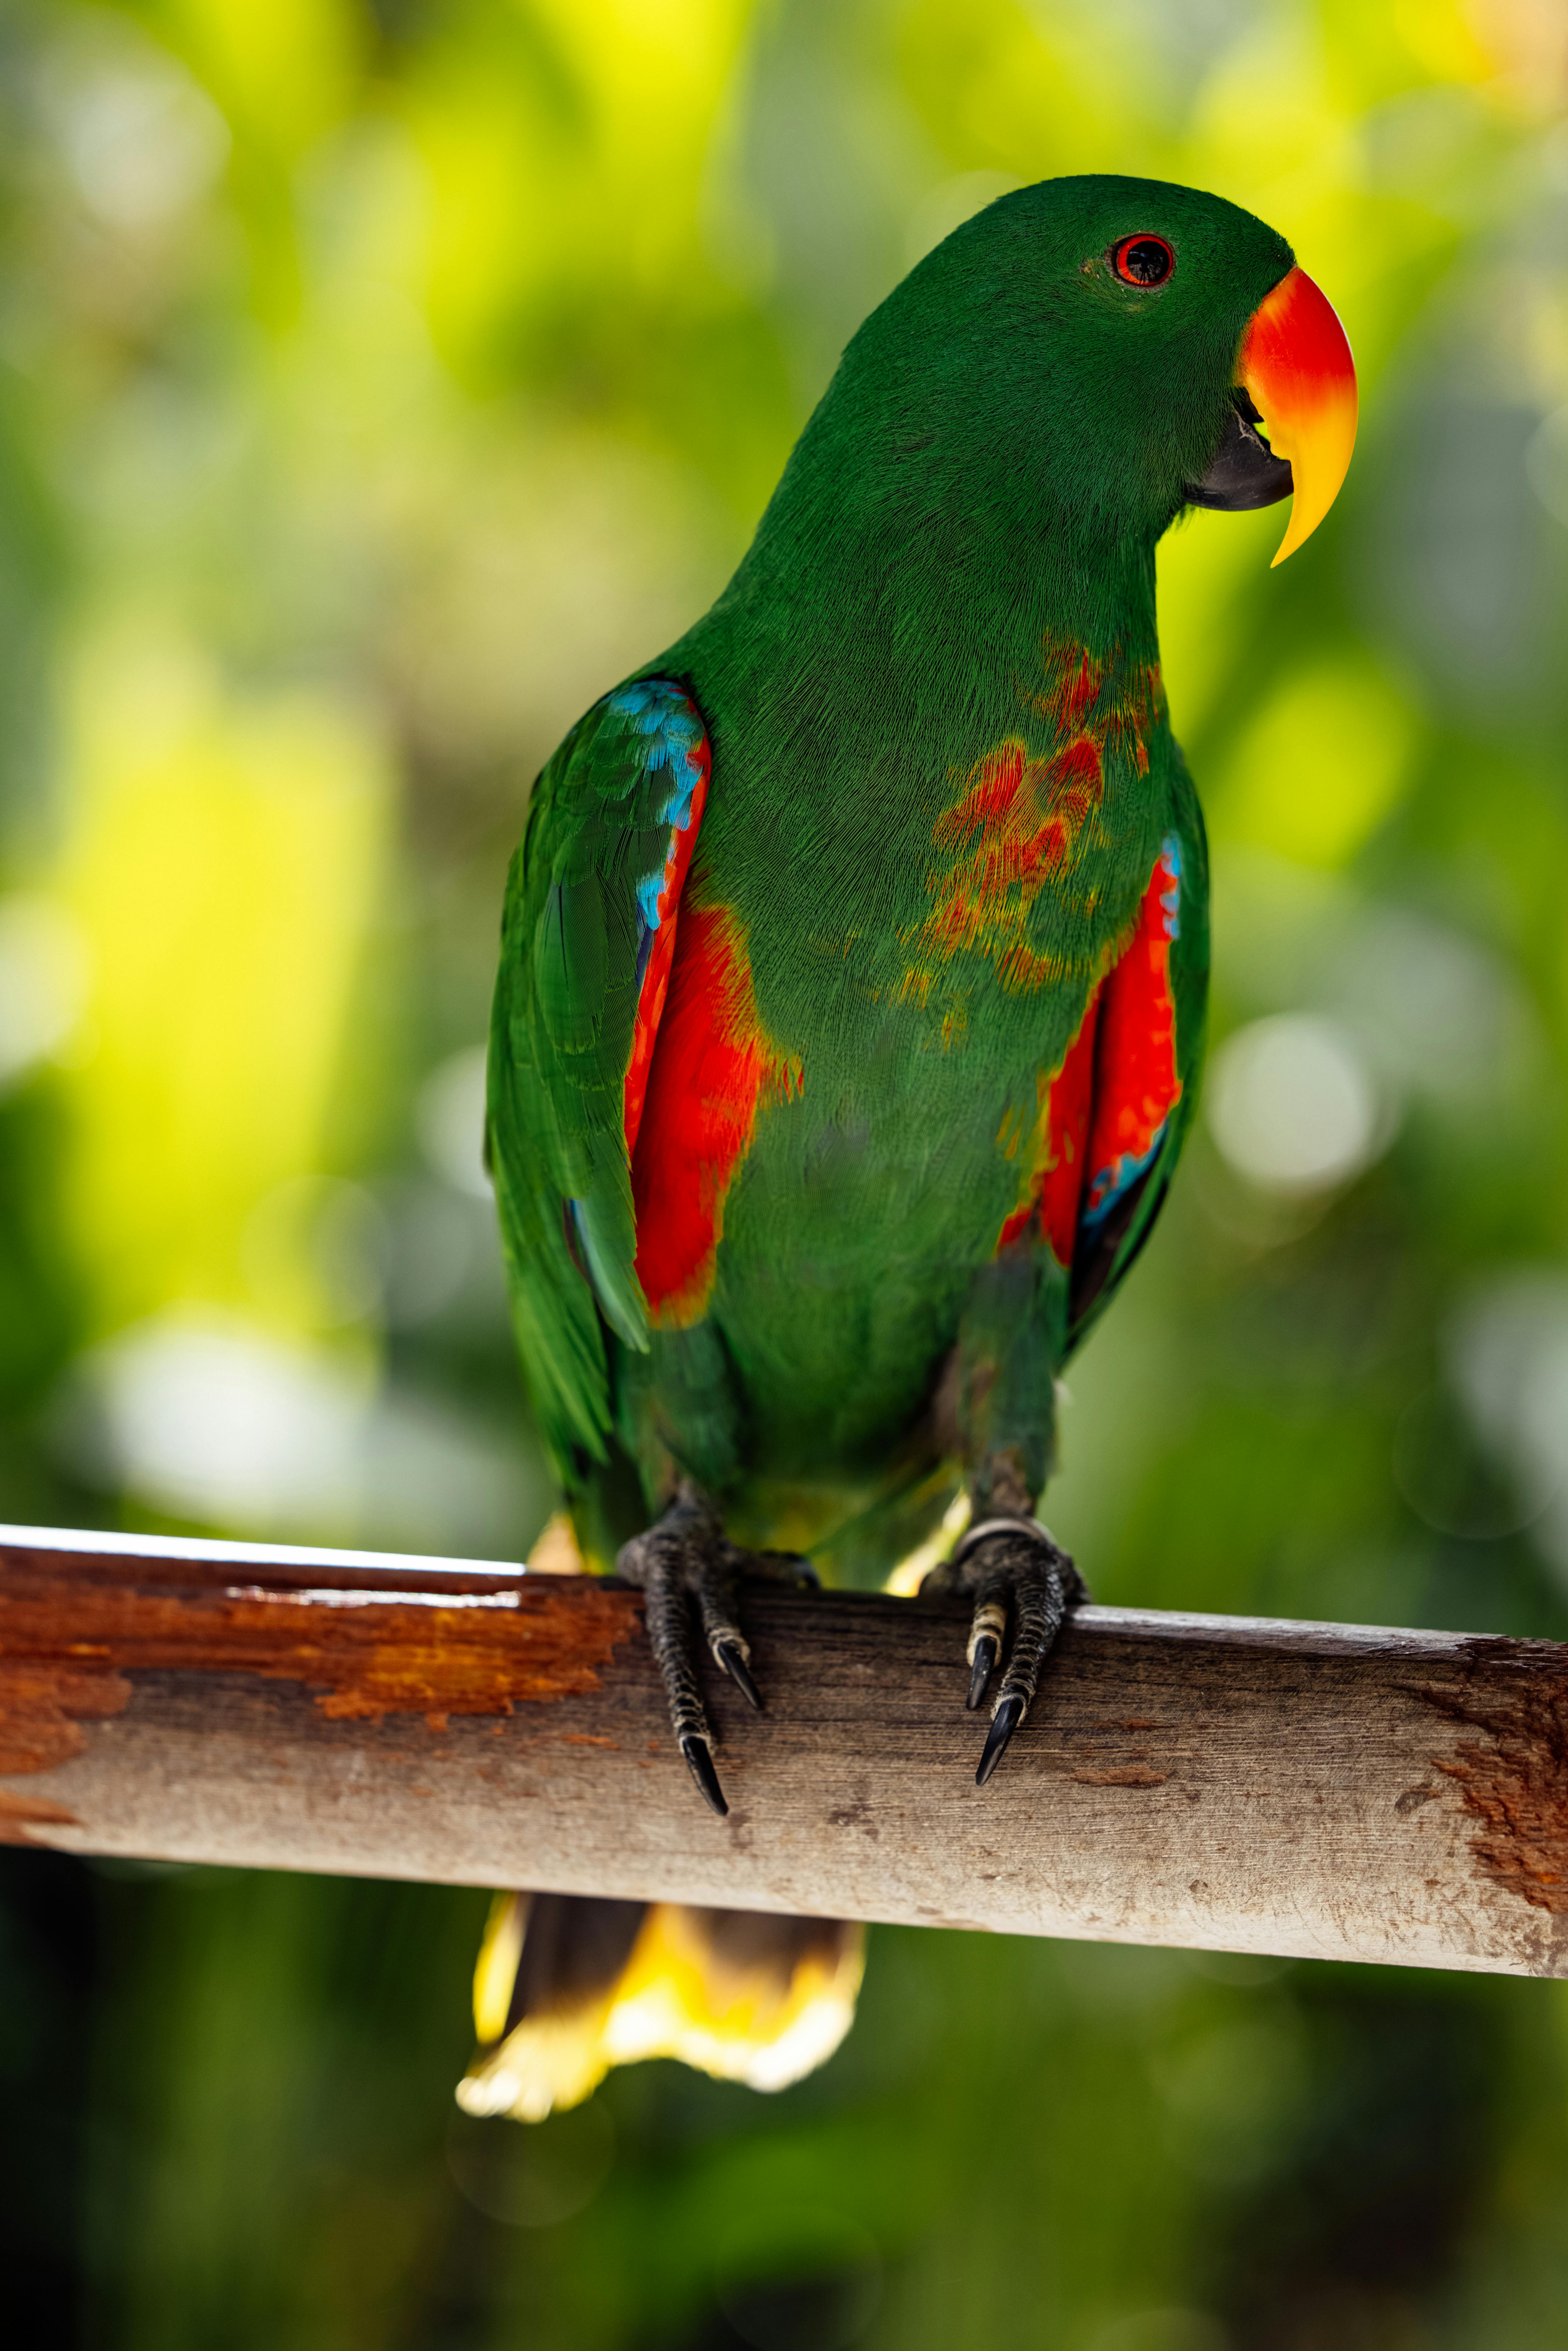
850, 1008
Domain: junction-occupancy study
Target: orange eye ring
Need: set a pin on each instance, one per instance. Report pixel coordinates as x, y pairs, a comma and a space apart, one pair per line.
1142, 260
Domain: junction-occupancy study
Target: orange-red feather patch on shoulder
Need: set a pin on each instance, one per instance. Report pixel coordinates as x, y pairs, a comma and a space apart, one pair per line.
1022, 811
714, 1067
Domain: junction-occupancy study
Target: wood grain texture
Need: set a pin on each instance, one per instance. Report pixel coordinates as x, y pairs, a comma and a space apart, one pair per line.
1319, 1789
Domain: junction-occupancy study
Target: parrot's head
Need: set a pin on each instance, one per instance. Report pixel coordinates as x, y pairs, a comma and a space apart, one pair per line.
1116, 350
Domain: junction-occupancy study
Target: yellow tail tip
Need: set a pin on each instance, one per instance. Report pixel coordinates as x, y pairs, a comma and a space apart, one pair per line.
742, 1996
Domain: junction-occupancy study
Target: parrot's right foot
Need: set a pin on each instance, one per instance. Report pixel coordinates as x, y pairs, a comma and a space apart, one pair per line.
687, 1557
1006, 1557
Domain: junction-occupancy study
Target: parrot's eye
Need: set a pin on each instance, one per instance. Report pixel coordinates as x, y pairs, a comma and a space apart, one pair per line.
1144, 260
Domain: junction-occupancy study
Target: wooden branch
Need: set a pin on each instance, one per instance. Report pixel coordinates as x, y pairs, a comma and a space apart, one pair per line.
1217, 1781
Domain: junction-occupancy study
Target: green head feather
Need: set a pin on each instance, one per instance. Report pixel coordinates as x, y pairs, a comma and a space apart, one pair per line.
1014, 400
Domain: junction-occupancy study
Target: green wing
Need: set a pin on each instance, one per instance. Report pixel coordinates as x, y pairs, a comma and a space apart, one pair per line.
586, 940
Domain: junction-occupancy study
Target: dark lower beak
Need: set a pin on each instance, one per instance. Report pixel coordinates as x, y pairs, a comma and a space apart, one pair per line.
1244, 470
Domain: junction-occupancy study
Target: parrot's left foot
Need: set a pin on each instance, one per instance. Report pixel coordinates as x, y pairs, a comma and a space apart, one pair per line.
1003, 1557
687, 1557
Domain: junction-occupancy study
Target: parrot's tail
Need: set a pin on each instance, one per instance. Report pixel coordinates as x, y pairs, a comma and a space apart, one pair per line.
567, 1987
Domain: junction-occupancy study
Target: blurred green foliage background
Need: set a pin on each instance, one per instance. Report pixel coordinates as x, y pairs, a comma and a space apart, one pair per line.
379, 383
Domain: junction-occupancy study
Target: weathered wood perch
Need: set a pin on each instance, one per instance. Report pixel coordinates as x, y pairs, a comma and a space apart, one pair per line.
1219, 1782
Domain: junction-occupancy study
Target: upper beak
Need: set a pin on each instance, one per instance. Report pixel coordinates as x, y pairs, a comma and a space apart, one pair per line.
1294, 367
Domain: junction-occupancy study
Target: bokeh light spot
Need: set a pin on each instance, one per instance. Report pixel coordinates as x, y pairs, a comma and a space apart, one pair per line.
1292, 1106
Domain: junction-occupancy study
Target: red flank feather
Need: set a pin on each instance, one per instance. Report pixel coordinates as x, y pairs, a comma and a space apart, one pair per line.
712, 1068
661, 953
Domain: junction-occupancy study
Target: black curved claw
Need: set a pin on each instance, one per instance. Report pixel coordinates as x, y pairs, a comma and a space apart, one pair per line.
988, 1649
699, 1763
1009, 1713
729, 1656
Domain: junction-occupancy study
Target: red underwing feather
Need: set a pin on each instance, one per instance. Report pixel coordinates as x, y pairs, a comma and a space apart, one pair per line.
713, 1066
1054, 1182
1071, 1095
1105, 1106
1136, 1084
650, 996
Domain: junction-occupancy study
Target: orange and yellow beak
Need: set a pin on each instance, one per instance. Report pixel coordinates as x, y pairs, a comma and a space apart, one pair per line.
1295, 366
